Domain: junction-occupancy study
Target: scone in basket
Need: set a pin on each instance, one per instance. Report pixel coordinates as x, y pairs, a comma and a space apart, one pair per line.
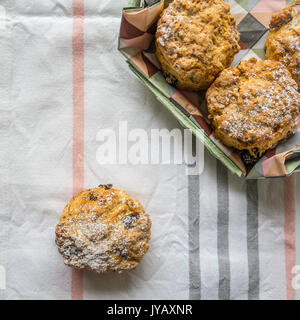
136, 43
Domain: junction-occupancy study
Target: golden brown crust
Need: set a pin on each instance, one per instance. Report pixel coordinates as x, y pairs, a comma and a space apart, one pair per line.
102, 230
195, 41
253, 106
283, 43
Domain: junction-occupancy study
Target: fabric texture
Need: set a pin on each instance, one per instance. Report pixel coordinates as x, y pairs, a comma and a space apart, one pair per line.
214, 236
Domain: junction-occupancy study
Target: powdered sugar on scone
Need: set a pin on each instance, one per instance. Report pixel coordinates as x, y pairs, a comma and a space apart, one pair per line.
103, 230
254, 106
283, 42
195, 40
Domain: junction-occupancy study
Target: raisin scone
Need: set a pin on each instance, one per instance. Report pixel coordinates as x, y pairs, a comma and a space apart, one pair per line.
254, 105
103, 229
195, 41
283, 42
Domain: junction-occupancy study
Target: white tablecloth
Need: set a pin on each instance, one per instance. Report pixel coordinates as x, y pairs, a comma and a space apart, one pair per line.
214, 236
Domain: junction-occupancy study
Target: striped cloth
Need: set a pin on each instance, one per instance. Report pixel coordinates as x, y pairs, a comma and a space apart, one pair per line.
241, 236
214, 236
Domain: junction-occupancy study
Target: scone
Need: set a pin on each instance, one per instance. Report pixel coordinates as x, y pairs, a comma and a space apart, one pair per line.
103, 229
195, 41
253, 106
283, 42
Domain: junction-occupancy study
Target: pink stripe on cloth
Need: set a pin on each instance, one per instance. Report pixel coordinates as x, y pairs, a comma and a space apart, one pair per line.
78, 121
289, 230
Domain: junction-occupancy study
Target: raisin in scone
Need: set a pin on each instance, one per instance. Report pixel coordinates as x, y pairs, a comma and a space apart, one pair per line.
195, 41
253, 106
103, 229
283, 42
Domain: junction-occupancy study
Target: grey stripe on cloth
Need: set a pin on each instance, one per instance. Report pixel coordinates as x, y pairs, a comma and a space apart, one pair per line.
194, 254
252, 239
223, 228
